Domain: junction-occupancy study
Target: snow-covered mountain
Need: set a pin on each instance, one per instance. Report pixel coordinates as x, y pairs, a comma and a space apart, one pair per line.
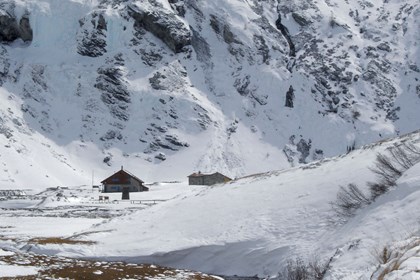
166, 88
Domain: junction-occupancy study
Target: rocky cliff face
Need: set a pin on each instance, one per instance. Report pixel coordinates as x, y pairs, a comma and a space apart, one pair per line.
228, 85
13, 27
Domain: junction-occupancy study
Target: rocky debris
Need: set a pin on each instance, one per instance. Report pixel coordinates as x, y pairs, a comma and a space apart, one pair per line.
5, 130
178, 6
4, 65
110, 135
150, 58
298, 152
174, 140
160, 156
244, 89
150, 53
92, 35
383, 87
318, 154
157, 137
204, 119
241, 85
232, 127
384, 46
262, 48
300, 19
291, 153
304, 148
171, 78
107, 160
223, 30
201, 48
164, 24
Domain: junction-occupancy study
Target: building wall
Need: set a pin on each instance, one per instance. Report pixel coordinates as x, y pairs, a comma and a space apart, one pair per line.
121, 179
214, 179
195, 180
119, 187
208, 180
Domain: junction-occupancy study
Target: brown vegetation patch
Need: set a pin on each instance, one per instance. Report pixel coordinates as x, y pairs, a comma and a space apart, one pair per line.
51, 267
59, 240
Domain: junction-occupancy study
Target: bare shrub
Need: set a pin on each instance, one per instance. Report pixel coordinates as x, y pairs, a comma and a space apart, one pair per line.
297, 269
390, 258
383, 255
377, 189
349, 199
319, 269
386, 170
389, 168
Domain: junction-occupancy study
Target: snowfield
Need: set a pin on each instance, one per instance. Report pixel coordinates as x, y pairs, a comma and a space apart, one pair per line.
289, 98
253, 225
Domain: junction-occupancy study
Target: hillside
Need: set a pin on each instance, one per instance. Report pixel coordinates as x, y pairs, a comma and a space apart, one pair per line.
166, 88
257, 224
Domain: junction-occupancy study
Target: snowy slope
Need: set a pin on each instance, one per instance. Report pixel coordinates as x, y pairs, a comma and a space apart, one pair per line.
255, 224
183, 86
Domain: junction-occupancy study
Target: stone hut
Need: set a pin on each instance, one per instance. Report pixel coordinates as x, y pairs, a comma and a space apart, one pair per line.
207, 179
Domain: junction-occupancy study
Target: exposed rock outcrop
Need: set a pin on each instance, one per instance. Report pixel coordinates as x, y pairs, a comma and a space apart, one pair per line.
92, 36
111, 82
12, 29
283, 29
164, 25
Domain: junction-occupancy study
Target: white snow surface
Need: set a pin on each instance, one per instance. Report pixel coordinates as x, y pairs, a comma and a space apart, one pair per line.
57, 130
253, 225
16, 271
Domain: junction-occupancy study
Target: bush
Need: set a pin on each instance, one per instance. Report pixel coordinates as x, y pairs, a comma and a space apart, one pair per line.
389, 168
297, 269
377, 189
349, 199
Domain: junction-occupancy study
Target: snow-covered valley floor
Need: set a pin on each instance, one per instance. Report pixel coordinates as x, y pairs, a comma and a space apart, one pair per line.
256, 225
55, 218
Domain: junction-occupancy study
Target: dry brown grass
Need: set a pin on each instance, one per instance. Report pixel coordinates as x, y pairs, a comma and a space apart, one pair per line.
59, 240
65, 268
392, 258
122, 271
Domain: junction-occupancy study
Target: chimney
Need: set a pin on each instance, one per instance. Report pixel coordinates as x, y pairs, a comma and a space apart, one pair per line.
122, 168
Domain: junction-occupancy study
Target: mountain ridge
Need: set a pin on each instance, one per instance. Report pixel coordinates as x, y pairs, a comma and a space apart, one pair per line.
233, 86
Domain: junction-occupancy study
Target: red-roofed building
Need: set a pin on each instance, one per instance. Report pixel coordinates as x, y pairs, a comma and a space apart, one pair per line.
121, 180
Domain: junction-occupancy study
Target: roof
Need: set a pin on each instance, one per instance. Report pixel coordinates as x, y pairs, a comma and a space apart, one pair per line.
126, 172
199, 174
